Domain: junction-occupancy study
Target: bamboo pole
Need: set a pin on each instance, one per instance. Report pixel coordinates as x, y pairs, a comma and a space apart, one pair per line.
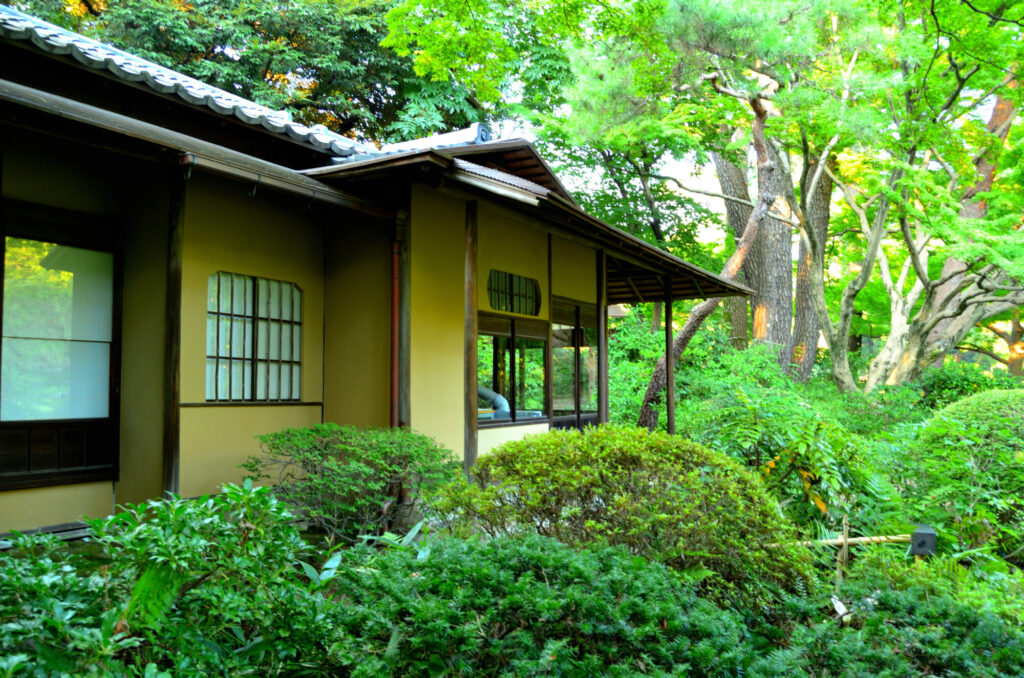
884, 539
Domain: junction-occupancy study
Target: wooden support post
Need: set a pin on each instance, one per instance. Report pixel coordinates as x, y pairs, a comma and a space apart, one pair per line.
404, 406
670, 362
172, 337
602, 337
470, 440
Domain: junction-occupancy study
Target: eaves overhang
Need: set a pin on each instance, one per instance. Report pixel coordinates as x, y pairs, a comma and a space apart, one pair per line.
637, 271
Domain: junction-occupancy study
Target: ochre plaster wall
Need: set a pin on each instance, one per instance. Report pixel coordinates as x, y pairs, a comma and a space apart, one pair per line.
215, 440
573, 271
44, 506
513, 245
437, 233
60, 174
489, 438
268, 236
357, 292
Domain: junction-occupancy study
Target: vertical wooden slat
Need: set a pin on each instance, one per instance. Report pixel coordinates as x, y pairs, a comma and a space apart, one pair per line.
172, 340
469, 455
404, 403
602, 336
670, 362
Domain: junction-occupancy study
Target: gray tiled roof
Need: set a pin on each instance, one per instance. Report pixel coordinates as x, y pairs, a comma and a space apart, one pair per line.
15, 25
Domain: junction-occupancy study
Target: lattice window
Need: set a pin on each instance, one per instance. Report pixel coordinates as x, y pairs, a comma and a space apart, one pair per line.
253, 339
513, 293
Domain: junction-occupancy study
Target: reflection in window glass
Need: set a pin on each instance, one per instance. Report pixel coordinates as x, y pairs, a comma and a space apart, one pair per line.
57, 328
563, 369
510, 383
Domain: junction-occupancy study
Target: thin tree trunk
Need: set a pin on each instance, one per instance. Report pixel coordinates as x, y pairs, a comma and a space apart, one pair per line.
656, 317
765, 169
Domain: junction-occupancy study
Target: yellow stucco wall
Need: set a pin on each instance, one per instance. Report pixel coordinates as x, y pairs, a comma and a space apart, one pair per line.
215, 440
43, 506
489, 438
58, 174
512, 245
268, 236
437, 232
573, 271
357, 337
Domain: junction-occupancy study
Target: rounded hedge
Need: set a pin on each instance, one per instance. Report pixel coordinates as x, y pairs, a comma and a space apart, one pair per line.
970, 470
659, 496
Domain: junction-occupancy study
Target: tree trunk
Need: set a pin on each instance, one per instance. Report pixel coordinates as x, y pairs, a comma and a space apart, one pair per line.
773, 302
656, 317
806, 326
736, 310
765, 170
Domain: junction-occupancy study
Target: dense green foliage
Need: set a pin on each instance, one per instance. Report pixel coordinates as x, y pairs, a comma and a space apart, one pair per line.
657, 495
224, 586
320, 60
953, 380
969, 461
348, 481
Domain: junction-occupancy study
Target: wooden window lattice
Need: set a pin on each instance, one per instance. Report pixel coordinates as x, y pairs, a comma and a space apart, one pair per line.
513, 293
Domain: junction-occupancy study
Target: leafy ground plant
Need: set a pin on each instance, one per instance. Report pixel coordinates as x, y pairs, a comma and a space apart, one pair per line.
348, 481
657, 495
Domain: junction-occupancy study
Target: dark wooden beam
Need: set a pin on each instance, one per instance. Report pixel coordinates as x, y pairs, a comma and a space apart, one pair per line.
602, 337
670, 362
470, 451
172, 338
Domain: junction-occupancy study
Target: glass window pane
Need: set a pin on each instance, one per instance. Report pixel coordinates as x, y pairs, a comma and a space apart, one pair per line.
261, 380
286, 302
248, 295
237, 337
211, 335
273, 385
223, 374
296, 383
224, 305
493, 360
286, 382
530, 397
238, 294
247, 380
296, 342
54, 379
275, 299
275, 340
563, 368
247, 352
297, 303
588, 371
263, 339
237, 380
211, 378
225, 337
211, 293
263, 297
286, 342
57, 292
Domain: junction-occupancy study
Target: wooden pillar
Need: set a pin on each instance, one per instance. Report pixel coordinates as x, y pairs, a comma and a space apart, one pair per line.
404, 406
469, 455
670, 361
602, 336
172, 337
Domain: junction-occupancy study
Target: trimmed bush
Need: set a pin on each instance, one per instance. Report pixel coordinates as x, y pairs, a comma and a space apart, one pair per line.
529, 606
954, 380
348, 481
969, 470
657, 495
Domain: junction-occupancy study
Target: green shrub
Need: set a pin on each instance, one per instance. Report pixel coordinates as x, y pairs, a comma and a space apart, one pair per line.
349, 481
955, 380
198, 587
660, 496
530, 606
967, 469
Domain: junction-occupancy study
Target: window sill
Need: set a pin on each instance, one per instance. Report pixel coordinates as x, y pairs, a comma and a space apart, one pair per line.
511, 424
31, 480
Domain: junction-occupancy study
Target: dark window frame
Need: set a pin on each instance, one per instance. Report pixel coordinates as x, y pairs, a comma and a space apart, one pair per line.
489, 325
88, 231
250, 352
